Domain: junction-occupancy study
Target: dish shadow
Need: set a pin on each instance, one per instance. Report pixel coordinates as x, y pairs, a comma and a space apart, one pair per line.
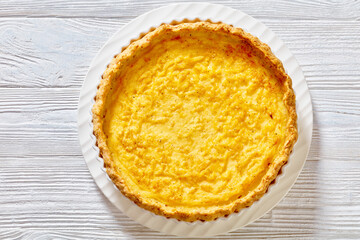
296, 214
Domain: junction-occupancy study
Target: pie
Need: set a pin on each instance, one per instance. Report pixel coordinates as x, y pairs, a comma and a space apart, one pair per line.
194, 120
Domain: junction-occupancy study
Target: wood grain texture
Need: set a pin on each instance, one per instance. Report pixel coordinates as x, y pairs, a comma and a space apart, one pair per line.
49, 188
283, 9
57, 52
46, 190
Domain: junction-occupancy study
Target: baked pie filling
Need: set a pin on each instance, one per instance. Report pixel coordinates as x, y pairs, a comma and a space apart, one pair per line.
195, 120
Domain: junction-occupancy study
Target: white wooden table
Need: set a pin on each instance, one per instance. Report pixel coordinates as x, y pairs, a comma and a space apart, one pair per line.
46, 190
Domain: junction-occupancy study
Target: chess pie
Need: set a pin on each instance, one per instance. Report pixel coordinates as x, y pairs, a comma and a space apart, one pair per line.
195, 120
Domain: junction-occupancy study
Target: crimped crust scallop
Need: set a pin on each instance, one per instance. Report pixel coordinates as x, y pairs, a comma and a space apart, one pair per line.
195, 120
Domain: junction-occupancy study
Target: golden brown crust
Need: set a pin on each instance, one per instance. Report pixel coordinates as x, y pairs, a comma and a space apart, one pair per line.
201, 214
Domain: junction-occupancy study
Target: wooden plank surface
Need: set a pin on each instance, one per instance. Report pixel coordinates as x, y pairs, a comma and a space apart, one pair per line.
272, 9
46, 191
40, 52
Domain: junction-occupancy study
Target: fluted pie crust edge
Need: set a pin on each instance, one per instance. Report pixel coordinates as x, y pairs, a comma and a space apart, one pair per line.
160, 208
